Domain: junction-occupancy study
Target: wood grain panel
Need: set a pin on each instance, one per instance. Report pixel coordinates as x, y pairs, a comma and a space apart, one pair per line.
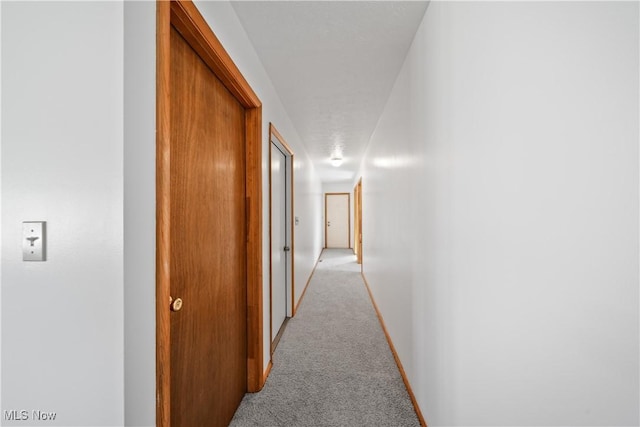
253, 118
208, 244
163, 199
186, 19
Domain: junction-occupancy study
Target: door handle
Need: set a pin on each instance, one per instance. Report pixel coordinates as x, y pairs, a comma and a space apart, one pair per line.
175, 304
287, 248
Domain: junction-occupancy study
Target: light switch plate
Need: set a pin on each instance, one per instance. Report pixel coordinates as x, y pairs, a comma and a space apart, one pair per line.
34, 241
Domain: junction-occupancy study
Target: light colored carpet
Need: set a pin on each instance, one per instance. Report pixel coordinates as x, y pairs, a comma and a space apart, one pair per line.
333, 366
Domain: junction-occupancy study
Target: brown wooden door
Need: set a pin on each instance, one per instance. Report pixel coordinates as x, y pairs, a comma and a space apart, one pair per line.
208, 244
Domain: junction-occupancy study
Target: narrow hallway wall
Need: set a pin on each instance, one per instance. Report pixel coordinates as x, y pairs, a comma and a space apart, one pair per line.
62, 162
500, 201
140, 213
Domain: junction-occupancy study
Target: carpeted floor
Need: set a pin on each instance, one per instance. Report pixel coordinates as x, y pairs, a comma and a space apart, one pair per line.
333, 366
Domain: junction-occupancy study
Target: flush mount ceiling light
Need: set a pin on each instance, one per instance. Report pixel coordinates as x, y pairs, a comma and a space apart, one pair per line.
336, 154
336, 161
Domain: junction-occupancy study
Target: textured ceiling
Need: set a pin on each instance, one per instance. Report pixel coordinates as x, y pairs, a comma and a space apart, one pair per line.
333, 64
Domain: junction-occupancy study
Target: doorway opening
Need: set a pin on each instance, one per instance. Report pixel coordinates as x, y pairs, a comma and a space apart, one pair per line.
281, 232
337, 215
208, 352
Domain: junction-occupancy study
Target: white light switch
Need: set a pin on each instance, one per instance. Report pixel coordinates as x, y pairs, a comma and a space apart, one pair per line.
33, 240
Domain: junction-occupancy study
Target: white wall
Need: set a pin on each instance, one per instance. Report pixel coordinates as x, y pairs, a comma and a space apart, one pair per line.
500, 202
307, 198
62, 162
308, 232
139, 213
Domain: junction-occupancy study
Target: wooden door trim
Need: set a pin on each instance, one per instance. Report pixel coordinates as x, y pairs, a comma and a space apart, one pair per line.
185, 17
274, 132
163, 203
348, 216
357, 221
191, 25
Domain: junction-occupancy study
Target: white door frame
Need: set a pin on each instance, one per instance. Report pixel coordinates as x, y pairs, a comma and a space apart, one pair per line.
276, 139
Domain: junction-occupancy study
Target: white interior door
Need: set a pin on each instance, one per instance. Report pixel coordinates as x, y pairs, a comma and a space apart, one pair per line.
279, 220
337, 220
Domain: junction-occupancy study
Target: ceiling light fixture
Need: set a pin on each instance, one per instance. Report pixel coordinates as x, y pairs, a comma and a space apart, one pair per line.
336, 161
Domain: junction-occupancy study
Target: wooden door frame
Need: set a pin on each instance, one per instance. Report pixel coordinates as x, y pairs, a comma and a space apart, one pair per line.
187, 20
356, 248
290, 155
357, 221
348, 217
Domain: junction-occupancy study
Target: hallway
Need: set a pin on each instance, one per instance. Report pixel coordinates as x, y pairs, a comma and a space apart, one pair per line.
333, 366
498, 149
